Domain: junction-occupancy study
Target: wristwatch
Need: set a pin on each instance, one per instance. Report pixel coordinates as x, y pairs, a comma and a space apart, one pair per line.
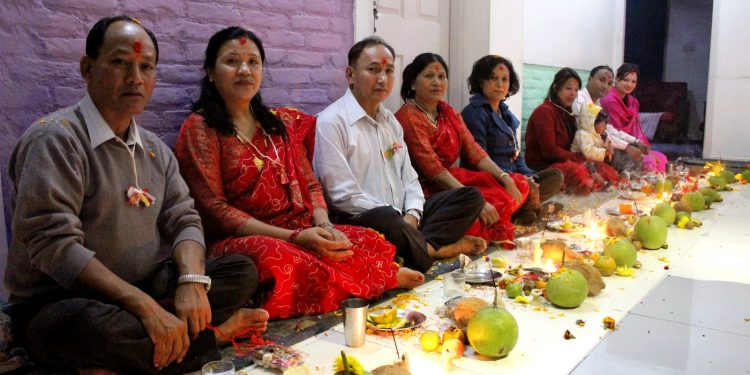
200, 279
416, 213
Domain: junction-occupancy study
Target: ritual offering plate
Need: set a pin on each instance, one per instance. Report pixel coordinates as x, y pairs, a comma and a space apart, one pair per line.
632, 195
616, 211
480, 277
564, 225
403, 320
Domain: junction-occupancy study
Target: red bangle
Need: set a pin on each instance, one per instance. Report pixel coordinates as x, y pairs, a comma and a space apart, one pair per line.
294, 235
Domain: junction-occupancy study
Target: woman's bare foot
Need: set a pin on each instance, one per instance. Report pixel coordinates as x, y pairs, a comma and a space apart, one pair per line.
409, 278
243, 320
466, 245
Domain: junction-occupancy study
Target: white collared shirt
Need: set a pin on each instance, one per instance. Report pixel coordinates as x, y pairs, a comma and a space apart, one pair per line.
98, 129
351, 163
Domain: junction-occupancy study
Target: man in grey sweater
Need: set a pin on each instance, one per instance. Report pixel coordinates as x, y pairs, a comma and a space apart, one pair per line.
106, 269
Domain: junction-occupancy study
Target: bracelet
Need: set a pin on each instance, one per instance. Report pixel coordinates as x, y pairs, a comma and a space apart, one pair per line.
503, 175
294, 235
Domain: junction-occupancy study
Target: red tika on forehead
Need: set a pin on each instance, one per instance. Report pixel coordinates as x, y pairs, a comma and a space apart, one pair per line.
501, 67
243, 40
384, 61
137, 46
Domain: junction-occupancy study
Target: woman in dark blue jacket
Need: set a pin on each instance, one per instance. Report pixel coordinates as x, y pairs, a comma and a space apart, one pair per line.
494, 127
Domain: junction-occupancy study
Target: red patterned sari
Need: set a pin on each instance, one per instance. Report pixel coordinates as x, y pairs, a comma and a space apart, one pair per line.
231, 183
434, 149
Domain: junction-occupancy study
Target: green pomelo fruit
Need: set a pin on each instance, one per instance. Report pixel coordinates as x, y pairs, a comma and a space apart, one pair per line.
728, 176
665, 211
652, 231
492, 332
710, 194
567, 288
746, 175
694, 200
717, 182
623, 252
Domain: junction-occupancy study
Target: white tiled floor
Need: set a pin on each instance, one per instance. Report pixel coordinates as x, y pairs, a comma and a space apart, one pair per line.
690, 317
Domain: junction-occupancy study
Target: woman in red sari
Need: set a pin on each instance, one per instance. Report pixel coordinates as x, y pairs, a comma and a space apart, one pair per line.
258, 196
549, 135
624, 114
436, 137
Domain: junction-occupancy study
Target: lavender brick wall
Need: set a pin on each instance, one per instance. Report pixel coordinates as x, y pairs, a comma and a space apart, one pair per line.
41, 42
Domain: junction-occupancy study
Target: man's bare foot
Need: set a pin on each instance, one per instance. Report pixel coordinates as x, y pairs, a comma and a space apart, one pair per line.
466, 245
409, 278
242, 321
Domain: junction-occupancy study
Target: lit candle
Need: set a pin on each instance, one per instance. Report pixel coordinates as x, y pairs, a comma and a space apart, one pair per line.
537, 254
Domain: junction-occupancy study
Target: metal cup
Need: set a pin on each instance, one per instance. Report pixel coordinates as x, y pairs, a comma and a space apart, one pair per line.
453, 284
355, 321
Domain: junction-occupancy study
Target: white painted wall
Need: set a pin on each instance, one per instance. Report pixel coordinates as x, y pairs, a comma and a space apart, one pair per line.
469, 40
579, 34
479, 28
728, 82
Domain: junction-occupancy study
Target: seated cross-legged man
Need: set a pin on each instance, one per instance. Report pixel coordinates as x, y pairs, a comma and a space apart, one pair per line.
106, 270
363, 164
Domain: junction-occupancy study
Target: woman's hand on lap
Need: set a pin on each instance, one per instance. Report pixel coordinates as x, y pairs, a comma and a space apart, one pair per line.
324, 244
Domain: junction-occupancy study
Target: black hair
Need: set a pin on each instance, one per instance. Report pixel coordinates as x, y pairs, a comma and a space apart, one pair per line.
626, 69
601, 116
95, 39
561, 77
412, 71
600, 67
358, 47
483, 70
210, 103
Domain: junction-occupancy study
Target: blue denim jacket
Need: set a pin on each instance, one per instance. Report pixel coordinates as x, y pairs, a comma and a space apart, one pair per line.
494, 134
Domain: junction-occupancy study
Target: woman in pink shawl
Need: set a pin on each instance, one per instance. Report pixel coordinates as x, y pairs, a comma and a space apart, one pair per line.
623, 109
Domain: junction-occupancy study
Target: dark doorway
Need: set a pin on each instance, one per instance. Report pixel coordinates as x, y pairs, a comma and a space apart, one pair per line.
646, 36
671, 41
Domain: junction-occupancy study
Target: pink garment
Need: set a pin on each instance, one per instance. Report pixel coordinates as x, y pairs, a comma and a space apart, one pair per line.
626, 117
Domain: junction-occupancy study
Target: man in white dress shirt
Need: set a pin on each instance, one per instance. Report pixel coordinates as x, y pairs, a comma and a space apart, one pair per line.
363, 164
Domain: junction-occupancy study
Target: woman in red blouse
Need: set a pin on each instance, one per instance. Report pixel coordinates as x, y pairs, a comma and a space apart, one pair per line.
436, 137
257, 194
549, 135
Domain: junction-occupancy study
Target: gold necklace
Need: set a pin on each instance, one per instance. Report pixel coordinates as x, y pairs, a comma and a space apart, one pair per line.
433, 121
259, 162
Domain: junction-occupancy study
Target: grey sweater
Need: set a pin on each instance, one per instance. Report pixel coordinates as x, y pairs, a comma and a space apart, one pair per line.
69, 205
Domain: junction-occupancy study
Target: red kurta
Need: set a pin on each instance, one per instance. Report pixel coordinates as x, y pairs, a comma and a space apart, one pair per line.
549, 134
232, 183
436, 149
